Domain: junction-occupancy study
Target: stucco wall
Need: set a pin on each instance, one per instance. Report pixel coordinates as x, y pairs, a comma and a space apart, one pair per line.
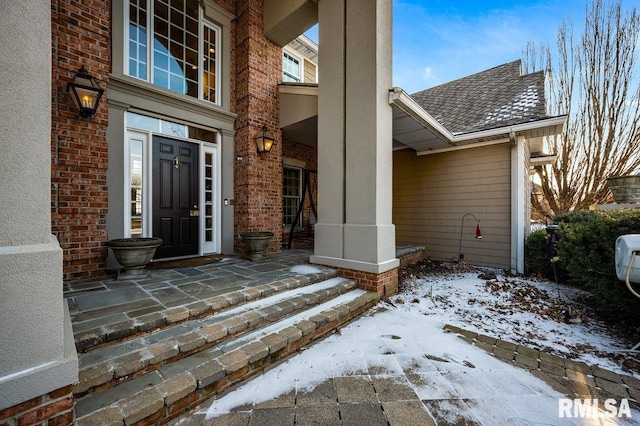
432, 193
34, 340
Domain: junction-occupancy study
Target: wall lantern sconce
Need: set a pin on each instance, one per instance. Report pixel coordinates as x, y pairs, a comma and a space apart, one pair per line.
478, 235
85, 92
263, 142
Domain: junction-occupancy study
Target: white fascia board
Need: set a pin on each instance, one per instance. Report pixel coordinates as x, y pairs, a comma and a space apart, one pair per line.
541, 161
308, 89
398, 97
518, 128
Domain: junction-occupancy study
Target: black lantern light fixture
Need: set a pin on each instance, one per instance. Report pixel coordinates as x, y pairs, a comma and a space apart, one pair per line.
263, 142
85, 92
478, 235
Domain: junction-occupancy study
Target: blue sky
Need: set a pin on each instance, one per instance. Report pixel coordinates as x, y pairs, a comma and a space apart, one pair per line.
435, 42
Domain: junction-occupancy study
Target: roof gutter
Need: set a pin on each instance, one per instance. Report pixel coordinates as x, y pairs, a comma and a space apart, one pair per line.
518, 128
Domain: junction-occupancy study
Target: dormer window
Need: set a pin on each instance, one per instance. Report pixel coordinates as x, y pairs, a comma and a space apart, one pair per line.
172, 45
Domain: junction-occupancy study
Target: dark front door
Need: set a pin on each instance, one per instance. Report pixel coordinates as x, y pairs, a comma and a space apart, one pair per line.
175, 197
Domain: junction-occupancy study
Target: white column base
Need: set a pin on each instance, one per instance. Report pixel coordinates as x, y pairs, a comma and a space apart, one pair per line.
37, 351
368, 248
373, 268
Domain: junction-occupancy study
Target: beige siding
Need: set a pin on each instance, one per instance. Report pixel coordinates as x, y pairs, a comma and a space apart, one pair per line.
432, 193
309, 72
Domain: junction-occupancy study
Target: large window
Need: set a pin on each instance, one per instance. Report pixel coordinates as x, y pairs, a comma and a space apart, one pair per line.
292, 192
291, 70
171, 45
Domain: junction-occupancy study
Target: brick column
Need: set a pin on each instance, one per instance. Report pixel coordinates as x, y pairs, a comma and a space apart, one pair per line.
258, 178
81, 33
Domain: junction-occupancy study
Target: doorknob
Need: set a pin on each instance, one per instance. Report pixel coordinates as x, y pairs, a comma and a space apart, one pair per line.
176, 162
195, 207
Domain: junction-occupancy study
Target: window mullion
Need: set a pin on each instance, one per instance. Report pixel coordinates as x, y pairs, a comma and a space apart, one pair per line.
127, 38
201, 53
150, 38
198, 46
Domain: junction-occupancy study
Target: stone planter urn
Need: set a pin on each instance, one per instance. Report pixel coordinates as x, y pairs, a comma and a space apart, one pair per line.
256, 243
625, 189
133, 254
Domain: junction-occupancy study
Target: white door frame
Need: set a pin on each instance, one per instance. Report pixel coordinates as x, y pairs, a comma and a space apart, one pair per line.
214, 244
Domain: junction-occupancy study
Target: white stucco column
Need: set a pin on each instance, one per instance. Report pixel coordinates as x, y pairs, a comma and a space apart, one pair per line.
36, 342
354, 228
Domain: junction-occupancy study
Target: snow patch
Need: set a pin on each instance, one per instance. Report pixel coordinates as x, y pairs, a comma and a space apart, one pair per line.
456, 380
305, 270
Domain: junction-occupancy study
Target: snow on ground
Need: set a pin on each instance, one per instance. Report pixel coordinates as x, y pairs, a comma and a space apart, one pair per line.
540, 315
405, 334
305, 269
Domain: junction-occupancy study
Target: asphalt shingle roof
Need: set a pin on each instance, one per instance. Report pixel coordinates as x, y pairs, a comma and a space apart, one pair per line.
494, 98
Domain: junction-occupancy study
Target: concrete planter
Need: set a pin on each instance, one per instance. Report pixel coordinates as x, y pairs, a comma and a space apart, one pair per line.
256, 243
133, 254
625, 189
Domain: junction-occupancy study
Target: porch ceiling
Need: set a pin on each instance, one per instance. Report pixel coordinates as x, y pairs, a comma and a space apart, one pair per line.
413, 127
414, 131
304, 132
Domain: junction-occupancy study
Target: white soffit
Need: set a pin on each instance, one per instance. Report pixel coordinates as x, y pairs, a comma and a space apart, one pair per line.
417, 129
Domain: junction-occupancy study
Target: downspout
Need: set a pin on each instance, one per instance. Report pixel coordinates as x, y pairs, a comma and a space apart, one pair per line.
518, 189
344, 121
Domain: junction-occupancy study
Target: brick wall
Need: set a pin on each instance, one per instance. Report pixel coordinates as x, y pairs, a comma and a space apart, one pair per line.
258, 178
52, 409
81, 36
79, 153
385, 283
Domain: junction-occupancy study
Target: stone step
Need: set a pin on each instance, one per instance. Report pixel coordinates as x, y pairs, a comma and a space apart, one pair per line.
110, 365
100, 327
176, 387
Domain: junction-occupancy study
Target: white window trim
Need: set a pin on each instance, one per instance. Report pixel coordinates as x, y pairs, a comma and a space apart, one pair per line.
125, 40
300, 62
146, 216
301, 177
147, 185
202, 22
216, 245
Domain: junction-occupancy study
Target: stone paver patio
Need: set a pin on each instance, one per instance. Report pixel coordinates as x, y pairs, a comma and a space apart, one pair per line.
414, 391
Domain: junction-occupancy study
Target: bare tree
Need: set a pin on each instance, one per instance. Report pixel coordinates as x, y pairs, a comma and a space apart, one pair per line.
596, 83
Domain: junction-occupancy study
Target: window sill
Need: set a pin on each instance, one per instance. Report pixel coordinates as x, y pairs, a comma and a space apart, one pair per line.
132, 93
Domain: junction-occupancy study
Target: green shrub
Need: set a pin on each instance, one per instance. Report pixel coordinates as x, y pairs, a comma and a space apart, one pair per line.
537, 255
586, 252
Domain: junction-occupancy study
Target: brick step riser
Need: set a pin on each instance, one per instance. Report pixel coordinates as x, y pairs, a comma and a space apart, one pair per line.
205, 388
94, 339
109, 376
